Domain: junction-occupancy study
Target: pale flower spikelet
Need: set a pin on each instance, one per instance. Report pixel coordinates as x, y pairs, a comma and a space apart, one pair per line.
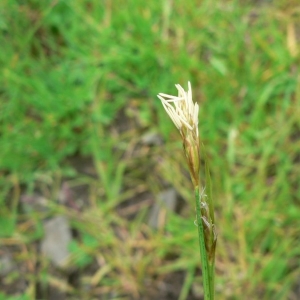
184, 114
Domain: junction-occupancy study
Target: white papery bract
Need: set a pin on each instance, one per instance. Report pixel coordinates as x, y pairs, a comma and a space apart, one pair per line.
181, 109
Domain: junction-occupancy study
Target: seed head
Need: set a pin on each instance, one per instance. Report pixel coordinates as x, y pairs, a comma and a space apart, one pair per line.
184, 114
181, 109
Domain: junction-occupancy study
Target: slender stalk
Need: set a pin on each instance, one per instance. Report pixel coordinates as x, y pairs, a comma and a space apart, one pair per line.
207, 268
184, 114
212, 277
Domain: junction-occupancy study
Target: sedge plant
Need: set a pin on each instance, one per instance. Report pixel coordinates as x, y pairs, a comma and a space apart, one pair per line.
184, 114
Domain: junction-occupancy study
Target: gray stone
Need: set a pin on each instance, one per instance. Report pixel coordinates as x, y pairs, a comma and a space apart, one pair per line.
56, 240
6, 263
167, 201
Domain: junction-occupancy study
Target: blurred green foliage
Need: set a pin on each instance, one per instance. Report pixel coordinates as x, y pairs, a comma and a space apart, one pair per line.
79, 79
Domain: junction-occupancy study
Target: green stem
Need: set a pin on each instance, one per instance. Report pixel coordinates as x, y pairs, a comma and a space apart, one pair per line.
207, 267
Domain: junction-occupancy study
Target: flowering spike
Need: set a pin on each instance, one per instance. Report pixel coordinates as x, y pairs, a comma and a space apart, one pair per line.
184, 114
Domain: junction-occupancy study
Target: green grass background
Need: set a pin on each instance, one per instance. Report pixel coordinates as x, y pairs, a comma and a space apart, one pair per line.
79, 80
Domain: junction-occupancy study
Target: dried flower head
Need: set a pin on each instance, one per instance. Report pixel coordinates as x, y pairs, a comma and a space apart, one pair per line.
184, 114
181, 109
